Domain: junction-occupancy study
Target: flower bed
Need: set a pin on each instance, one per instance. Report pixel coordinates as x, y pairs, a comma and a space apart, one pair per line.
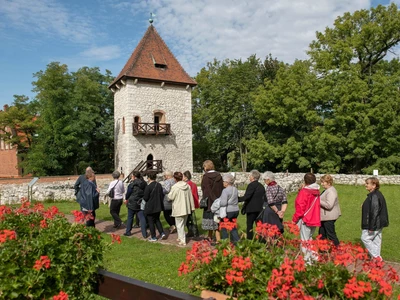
271, 266
43, 256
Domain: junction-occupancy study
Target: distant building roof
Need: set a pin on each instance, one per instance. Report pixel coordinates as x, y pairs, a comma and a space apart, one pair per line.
152, 60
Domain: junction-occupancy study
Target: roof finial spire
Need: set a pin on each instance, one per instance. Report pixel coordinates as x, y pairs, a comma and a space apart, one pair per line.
151, 18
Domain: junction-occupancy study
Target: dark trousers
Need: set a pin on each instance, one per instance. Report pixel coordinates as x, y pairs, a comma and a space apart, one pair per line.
129, 222
327, 231
154, 221
89, 221
167, 215
115, 208
143, 223
250, 219
234, 235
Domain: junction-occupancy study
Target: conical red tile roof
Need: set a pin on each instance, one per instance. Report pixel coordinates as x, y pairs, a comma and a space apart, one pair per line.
152, 60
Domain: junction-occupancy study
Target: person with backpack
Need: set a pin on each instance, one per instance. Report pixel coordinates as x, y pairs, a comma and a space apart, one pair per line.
116, 192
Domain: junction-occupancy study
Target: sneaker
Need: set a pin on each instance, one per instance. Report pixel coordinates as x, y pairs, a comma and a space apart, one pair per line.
163, 236
152, 240
127, 234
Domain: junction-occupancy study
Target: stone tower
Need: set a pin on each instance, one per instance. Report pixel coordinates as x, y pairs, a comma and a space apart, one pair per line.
152, 110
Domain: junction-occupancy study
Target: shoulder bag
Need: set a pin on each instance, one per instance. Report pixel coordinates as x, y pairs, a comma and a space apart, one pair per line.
111, 193
204, 200
142, 202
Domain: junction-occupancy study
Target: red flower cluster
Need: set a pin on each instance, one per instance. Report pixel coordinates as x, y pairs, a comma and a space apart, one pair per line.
7, 235
201, 253
233, 276
348, 254
241, 263
39, 207
4, 210
115, 238
266, 230
44, 261
228, 225
356, 289
61, 296
78, 216
292, 228
51, 212
383, 275
43, 224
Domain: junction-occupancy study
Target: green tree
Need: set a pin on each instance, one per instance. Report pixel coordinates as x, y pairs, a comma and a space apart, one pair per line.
75, 121
18, 123
363, 106
288, 104
223, 114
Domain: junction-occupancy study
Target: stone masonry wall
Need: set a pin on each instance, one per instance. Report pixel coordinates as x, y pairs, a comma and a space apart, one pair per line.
143, 100
62, 188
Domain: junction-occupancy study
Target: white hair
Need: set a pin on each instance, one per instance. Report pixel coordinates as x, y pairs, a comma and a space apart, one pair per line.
268, 175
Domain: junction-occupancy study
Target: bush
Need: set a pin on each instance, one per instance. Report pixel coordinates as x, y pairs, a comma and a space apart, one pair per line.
271, 266
43, 256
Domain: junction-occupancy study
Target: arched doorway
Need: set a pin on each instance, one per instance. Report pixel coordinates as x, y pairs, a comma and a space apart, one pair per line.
149, 161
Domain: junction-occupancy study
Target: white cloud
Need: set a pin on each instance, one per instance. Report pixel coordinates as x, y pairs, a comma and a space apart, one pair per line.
45, 17
200, 30
102, 53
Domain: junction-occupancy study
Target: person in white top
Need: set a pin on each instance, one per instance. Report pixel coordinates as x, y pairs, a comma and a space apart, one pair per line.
116, 192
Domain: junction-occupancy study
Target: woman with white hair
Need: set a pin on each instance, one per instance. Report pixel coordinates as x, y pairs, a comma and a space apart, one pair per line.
253, 202
276, 201
229, 201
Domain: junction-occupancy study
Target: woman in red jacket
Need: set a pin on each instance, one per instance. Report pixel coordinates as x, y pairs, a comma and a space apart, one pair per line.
307, 213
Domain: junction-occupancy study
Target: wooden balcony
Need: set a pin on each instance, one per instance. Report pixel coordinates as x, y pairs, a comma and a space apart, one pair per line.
151, 129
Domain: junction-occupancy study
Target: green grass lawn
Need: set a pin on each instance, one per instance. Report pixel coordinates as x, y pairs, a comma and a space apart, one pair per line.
158, 264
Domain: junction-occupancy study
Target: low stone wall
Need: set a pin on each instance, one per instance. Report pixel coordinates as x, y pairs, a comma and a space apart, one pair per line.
62, 188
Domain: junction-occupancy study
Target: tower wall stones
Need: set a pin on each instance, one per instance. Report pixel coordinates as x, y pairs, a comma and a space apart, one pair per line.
143, 100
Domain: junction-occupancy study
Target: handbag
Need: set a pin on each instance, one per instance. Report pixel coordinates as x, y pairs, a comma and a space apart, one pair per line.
204, 202
111, 192
243, 210
142, 204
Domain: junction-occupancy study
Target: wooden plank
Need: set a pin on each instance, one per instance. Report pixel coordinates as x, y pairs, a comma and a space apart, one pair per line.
118, 287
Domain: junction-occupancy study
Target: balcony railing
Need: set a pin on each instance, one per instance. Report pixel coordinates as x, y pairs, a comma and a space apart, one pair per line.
151, 128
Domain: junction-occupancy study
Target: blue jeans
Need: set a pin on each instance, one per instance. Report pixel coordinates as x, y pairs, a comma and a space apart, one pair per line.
129, 222
234, 233
143, 223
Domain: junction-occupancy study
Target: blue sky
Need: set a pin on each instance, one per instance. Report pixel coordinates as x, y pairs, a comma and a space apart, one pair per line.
104, 33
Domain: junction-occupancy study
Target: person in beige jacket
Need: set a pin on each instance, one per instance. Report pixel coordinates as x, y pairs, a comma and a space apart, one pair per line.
182, 205
330, 210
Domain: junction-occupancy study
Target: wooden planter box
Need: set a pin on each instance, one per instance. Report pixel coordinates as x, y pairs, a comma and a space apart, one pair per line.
206, 294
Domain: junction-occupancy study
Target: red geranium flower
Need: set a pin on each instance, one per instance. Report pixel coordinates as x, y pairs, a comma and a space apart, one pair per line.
44, 261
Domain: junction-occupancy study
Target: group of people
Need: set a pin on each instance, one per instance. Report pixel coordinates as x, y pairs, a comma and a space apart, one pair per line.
313, 210
177, 197
266, 204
